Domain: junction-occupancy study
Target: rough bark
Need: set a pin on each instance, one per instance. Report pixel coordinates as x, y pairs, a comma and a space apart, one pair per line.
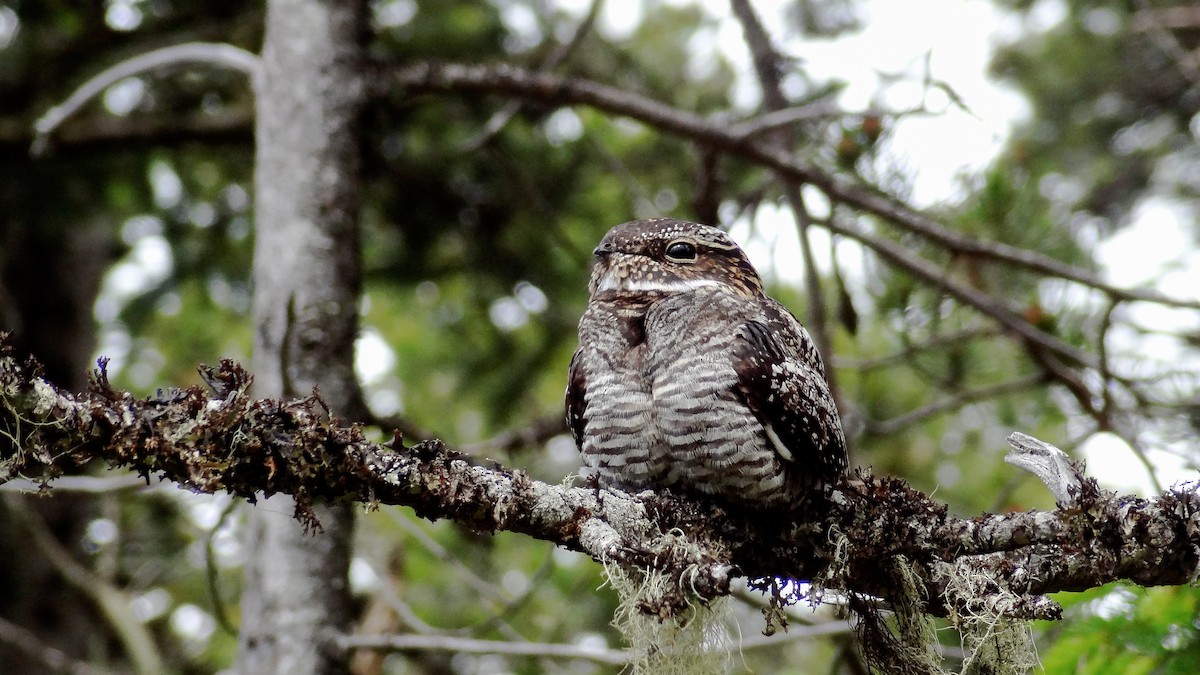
1001, 565
307, 281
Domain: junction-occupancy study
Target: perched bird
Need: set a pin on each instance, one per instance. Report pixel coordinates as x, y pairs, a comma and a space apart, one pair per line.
688, 377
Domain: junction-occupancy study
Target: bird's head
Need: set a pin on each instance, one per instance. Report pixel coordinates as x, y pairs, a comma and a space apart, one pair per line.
666, 256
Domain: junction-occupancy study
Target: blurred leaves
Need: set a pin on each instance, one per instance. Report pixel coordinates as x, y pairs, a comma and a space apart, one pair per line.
1117, 629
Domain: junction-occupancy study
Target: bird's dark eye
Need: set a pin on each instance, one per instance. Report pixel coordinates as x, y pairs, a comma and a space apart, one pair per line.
681, 251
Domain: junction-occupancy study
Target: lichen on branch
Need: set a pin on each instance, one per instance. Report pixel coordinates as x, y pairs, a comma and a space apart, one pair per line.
221, 438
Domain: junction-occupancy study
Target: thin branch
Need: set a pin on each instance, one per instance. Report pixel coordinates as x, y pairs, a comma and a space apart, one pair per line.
488, 590
1141, 452
608, 657
85, 484
1179, 17
532, 435
460, 645
85, 134
768, 64
112, 602
31, 645
951, 403
1108, 406
823, 109
797, 633
1107, 411
910, 350
499, 618
402, 609
504, 80
218, 54
481, 585
220, 611
916, 266
1158, 22
557, 57
774, 120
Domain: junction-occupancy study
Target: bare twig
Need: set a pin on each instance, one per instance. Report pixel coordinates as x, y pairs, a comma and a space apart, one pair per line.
797, 633
86, 484
1158, 22
219, 54
603, 656
211, 576
461, 645
110, 600
481, 585
402, 609
823, 109
30, 645
1107, 413
768, 64
557, 57
1141, 452
100, 130
968, 295
1106, 377
906, 354
774, 120
532, 435
534, 583
954, 402
485, 588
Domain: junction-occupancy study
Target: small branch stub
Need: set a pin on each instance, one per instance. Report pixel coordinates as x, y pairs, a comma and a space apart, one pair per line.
1061, 474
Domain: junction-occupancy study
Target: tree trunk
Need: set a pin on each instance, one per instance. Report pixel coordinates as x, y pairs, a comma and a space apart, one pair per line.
307, 279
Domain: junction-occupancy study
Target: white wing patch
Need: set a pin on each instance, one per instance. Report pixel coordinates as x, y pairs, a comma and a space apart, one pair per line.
779, 446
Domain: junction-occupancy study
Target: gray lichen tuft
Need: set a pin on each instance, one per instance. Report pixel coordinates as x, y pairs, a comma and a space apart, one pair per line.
663, 635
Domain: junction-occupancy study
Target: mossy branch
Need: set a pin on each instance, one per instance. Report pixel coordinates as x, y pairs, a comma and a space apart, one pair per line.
221, 438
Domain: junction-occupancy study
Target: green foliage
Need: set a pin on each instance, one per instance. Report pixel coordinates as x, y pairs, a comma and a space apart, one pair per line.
1118, 629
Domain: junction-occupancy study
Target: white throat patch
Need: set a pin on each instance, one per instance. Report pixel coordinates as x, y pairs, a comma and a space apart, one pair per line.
610, 282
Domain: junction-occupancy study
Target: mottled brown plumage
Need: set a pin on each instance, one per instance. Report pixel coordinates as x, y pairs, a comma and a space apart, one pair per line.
688, 377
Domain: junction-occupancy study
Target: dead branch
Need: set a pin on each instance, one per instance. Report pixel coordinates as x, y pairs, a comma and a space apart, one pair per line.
215, 54
505, 80
225, 440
